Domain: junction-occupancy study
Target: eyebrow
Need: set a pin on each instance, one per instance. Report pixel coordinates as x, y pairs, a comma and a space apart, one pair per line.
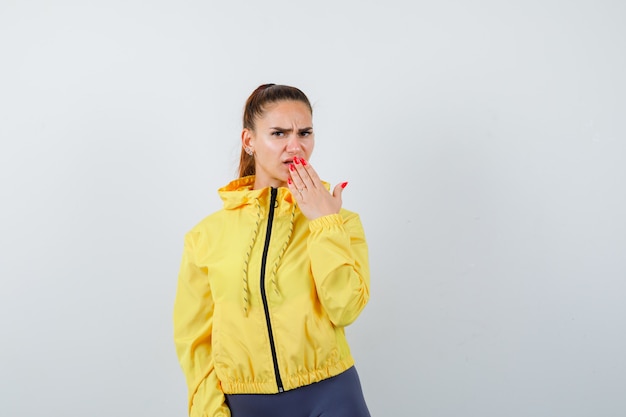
282, 129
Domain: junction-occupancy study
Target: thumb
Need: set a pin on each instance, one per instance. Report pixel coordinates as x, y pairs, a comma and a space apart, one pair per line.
339, 190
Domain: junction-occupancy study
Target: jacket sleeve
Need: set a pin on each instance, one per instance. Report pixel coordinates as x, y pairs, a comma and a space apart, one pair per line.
193, 324
340, 267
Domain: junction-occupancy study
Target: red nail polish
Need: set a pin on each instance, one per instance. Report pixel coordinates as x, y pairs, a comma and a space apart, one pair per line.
303, 162
343, 184
289, 181
295, 160
291, 167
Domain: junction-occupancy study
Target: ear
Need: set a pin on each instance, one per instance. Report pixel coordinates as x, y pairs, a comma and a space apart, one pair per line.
247, 138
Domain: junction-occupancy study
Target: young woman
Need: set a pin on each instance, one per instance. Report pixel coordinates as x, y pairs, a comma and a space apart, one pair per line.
268, 283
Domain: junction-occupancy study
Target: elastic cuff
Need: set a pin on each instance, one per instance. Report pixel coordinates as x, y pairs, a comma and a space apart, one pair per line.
326, 222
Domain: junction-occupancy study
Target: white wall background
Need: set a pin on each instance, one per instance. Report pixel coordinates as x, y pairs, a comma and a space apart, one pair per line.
484, 143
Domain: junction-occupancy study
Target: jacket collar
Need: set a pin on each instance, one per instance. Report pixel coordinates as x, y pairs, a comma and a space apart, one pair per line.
239, 193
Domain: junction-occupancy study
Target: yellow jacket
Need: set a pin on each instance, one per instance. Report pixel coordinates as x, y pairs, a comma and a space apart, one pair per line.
263, 296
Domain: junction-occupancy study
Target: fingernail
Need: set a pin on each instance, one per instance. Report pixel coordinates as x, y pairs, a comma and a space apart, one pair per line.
343, 184
295, 160
289, 181
303, 162
291, 167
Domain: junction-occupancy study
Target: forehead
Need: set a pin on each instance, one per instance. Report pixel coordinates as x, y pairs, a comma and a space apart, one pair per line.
286, 113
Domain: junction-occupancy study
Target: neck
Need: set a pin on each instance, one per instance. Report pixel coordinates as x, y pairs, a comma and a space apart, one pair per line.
260, 183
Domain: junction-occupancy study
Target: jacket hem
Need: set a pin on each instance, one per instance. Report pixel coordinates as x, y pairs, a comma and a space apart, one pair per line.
292, 381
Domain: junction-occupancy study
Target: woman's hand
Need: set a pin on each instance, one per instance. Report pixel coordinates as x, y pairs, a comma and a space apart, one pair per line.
309, 191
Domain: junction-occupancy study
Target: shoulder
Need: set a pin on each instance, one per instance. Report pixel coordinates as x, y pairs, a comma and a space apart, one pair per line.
209, 225
206, 236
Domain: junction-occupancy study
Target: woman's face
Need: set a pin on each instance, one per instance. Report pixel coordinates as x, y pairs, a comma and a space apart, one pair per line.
285, 130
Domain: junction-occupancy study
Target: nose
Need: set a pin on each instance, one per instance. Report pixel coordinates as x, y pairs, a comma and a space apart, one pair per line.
293, 145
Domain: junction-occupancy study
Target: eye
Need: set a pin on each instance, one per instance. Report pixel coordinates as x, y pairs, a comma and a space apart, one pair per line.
306, 133
278, 133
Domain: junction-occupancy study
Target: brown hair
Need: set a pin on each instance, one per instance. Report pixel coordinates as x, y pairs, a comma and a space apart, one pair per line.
255, 107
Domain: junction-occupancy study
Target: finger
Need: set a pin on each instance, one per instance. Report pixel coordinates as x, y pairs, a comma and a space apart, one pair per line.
304, 170
296, 178
294, 190
315, 179
338, 190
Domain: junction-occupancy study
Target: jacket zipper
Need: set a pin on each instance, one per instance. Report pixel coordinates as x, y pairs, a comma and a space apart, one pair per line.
268, 234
